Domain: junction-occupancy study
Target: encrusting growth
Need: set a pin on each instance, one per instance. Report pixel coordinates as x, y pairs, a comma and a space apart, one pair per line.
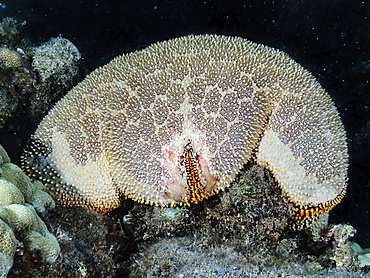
174, 123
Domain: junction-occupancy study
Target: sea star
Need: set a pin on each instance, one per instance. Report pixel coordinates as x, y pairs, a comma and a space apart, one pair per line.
174, 123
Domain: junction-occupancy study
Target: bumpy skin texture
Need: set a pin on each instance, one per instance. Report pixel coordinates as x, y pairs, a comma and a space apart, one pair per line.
126, 128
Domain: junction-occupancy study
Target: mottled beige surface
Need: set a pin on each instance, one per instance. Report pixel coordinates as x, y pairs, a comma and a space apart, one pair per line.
123, 130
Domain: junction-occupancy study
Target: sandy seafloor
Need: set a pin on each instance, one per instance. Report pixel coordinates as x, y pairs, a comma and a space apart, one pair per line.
331, 39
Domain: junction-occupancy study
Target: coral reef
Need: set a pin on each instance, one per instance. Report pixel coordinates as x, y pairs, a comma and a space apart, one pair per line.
79, 243
343, 254
19, 222
363, 255
8, 104
191, 257
8, 243
57, 65
242, 232
31, 230
92, 245
34, 78
252, 209
13, 70
58, 58
10, 32
10, 59
33, 192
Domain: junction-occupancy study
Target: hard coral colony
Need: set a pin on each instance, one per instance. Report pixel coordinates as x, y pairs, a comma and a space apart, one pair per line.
174, 123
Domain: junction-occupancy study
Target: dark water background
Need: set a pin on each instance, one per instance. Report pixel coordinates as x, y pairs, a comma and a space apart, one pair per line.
329, 38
